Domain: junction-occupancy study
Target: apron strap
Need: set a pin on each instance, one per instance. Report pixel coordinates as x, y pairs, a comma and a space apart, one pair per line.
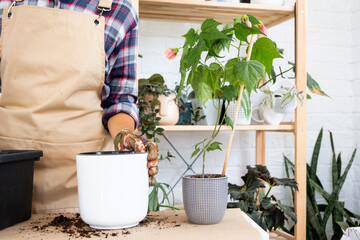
104, 5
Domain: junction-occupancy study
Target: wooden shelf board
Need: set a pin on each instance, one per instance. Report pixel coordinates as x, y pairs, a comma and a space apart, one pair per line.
198, 11
284, 127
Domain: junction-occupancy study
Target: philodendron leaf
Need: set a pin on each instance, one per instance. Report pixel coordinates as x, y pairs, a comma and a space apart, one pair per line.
314, 87
249, 73
265, 51
214, 146
229, 122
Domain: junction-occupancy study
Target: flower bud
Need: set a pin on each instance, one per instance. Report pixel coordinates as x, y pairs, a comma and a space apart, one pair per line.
246, 20
171, 53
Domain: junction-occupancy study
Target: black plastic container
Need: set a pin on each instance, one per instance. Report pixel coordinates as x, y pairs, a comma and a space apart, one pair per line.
16, 185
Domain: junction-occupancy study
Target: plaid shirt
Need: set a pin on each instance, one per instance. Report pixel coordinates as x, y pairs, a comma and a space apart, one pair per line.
119, 92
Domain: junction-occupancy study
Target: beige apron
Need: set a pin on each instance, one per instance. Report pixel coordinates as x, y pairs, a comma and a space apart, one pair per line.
52, 74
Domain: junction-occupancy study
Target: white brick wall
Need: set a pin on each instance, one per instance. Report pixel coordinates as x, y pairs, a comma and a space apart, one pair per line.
333, 60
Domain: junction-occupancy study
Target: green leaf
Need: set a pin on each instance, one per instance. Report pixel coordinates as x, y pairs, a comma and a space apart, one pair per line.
289, 211
216, 72
265, 51
246, 104
229, 76
153, 200
211, 36
195, 53
315, 155
286, 182
183, 68
242, 31
229, 122
196, 151
229, 93
343, 225
214, 146
201, 84
249, 73
335, 194
314, 87
191, 37
253, 20
209, 25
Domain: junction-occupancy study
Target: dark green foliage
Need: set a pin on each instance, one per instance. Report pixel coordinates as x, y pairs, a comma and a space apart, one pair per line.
319, 214
265, 210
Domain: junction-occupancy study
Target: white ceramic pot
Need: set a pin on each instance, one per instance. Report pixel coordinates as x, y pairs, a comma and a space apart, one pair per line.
269, 2
268, 116
287, 108
112, 188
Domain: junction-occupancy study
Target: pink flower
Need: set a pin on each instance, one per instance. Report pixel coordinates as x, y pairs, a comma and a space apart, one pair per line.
171, 53
246, 20
262, 28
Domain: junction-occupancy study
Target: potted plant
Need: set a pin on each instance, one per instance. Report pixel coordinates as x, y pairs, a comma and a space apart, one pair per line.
150, 90
205, 195
267, 211
184, 104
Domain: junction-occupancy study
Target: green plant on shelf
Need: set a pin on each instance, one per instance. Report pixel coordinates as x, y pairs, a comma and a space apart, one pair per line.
213, 80
149, 91
319, 214
265, 209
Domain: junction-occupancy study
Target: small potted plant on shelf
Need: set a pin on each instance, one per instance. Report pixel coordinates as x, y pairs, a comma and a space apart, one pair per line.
151, 91
184, 104
205, 195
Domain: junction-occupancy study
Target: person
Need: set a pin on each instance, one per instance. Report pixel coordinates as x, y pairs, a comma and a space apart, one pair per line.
68, 85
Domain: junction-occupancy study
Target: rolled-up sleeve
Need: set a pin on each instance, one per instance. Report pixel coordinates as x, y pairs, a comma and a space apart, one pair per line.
120, 88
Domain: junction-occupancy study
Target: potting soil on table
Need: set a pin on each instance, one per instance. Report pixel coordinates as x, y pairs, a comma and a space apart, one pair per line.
163, 225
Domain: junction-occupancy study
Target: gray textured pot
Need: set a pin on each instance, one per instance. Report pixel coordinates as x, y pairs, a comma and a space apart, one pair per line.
205, 199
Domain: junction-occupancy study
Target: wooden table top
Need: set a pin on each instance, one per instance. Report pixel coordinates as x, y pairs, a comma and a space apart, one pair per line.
163, 225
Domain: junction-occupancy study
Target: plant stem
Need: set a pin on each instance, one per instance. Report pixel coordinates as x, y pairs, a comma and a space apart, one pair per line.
213, 136
239, 50
276, 76
219, 62
267, 193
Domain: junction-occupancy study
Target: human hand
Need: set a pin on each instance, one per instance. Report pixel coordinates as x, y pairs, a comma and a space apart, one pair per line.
126, 139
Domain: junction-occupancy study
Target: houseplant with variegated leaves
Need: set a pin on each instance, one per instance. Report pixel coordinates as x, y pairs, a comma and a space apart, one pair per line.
202, 66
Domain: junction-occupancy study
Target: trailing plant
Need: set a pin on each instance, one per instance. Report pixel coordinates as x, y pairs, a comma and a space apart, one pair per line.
213, 80
149, 91
318, 214
154, 201
268, 212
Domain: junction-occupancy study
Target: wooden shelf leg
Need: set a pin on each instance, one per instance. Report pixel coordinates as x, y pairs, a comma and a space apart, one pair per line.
260, 147
300, 121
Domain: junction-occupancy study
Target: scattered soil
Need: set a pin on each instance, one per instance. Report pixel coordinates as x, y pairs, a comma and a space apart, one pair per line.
74, 227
